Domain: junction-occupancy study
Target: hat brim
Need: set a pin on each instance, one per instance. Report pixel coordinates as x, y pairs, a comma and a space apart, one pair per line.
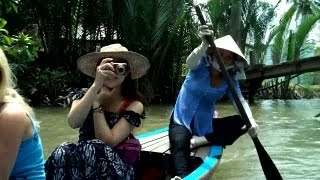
138, 64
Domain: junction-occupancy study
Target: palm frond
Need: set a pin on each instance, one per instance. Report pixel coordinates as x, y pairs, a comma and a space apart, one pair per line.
291, 46
174, 30
162, 20
279, 38
304, 28
284, 22
219, 12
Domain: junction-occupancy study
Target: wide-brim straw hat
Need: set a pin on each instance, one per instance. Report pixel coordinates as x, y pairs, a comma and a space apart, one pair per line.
227, 43
138, 64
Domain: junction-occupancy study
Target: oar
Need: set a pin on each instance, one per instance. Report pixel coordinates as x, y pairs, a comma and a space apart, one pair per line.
270, 170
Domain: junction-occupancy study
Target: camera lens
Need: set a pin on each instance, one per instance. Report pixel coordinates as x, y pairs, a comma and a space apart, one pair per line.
120, 69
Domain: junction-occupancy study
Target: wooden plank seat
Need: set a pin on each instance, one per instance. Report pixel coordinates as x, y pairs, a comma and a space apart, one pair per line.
155, 141
159, 143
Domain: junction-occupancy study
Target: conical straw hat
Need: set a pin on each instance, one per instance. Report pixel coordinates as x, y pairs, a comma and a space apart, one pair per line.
227, 43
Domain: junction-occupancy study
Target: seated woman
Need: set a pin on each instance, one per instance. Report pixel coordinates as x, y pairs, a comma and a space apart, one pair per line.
21, 153
106, 115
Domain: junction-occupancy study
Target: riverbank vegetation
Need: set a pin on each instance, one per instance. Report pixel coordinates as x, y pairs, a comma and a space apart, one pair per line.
44, 39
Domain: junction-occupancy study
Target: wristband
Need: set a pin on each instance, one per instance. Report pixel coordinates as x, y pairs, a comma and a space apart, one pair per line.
98, 110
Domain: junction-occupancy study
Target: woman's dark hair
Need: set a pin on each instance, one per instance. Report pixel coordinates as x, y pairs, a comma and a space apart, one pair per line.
129, 89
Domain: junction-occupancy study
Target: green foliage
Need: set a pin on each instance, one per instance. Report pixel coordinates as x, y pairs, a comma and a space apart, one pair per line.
307, 14
291, 46
44, 86
279, 34
8, 6
4, 38
317, 51
219, 12
22, 49
255, 18
288, 42
184, 70
164, 31
307, 24
19, 48
259, 16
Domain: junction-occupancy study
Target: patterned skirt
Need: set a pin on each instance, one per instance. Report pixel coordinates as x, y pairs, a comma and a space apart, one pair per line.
90, 159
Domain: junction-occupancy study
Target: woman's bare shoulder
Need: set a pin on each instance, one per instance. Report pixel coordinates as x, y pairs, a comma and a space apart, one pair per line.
14, 121
136, 106
14, 112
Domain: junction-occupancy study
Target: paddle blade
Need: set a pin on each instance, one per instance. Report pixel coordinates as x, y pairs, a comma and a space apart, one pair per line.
269, 168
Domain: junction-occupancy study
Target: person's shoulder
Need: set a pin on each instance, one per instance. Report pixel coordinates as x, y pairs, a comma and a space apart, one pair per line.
13, 118
136, 103
136, 106
14, 112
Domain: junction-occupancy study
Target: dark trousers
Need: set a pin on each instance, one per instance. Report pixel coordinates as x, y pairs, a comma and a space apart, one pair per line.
179, 137
227, 130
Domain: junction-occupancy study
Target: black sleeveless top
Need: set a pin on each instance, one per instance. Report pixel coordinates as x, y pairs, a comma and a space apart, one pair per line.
86, 132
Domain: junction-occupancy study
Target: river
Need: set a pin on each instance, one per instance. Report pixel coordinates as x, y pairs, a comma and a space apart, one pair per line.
289, 133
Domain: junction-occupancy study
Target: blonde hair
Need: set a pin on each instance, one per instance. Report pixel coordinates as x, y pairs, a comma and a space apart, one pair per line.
8, 93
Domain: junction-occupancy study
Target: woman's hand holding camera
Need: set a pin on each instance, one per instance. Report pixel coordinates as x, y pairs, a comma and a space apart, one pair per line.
112, 68
106, 67
104, 71
109, 69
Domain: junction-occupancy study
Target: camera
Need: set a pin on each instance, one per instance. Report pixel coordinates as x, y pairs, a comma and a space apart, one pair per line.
120, 68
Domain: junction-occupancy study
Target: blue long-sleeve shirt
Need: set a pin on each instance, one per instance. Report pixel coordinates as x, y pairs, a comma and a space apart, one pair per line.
196, 99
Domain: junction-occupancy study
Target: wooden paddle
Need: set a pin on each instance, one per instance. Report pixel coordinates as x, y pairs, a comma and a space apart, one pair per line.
270, 170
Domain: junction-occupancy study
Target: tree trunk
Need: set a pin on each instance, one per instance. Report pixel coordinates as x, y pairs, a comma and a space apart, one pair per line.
236, 6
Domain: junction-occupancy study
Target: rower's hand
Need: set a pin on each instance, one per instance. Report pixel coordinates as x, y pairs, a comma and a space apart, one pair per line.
253, 131
205, 31
198, 141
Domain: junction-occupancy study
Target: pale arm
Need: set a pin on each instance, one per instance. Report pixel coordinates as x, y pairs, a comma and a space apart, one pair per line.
194, 57
245, 107
120, 131
196, 141
80, 108
15, 125
253, 131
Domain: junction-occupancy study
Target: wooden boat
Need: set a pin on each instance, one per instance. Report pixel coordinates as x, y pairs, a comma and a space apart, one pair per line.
155, 161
